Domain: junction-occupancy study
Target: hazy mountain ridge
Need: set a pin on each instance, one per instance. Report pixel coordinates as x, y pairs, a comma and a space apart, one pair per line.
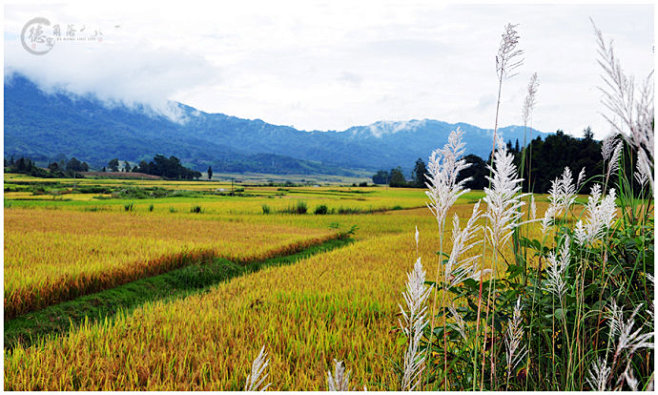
43, 125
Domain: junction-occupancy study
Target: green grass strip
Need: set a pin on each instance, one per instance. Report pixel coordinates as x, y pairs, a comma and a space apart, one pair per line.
195, 278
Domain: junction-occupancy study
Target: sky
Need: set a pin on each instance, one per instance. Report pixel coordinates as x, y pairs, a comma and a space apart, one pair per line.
330, 65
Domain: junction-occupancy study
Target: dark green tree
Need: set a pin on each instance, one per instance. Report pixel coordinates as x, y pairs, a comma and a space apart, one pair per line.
588, 135
209, 172
419, 174
113, 164
21, 166
397, 178
381, 177
143, 167
74, 165
477, 171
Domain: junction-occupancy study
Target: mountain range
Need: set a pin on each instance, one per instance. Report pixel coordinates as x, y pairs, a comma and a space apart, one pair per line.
45, 126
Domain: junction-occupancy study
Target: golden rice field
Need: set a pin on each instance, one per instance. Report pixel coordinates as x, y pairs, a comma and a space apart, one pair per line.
51, 256
342, 304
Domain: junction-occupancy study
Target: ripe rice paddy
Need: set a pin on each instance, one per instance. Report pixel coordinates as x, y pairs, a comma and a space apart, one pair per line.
341, 304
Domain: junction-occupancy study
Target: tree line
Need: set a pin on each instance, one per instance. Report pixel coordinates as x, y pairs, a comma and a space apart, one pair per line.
162, 166
58, 169
545, 159
73, 168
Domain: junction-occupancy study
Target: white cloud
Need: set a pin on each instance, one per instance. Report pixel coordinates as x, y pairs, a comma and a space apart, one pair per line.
331, 65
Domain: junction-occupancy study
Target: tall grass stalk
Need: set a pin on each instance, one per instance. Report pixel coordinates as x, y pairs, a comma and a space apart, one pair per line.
444, 189
256, 379
413, 324
340, 380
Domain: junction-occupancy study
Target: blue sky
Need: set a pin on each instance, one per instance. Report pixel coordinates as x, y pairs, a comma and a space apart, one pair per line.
331, 65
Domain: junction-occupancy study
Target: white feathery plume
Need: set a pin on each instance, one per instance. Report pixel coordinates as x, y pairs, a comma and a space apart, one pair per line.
581, 177
642, 136
340, 380
415, 321
549, 217
635, 112
619, 91
627, 339
563, 192
533, 208
459, 321
515, 350
508, 56
417, 237
504, 198
608, 146
641, 173
555, 283
629, 378
644, 145
530, 100
443, 167
598, 375
255, 381
613, 165
601, 213
458, 269
561, 196
616, 317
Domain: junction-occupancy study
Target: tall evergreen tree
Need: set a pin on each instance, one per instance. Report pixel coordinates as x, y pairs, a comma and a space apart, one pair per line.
419, 174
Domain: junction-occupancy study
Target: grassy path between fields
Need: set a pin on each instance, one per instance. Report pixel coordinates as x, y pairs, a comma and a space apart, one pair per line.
195, 278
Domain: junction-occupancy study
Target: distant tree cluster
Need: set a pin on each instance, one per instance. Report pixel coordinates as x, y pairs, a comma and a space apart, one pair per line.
545, 161
58, 169
549, 157
164, 167
75, 165
395, 178
72, 168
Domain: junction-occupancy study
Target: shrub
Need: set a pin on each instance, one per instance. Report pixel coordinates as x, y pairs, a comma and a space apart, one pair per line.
266, 209
128, 207
348, 210
299, 208
196, 209
150, 207
321, 210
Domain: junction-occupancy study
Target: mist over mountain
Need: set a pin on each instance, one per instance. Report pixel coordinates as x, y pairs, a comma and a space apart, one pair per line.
43, 126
